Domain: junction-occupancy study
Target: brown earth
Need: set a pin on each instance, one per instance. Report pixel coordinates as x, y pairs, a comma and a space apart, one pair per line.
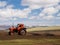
31, 35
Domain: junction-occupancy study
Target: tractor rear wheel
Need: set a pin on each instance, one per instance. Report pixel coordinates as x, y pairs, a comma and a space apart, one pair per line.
22, 32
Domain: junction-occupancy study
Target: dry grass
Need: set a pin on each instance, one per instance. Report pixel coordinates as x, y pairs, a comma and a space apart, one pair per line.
31, 42
44, 28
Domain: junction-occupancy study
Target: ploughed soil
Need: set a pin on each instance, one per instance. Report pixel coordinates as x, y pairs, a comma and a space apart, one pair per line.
31, 35
36, 35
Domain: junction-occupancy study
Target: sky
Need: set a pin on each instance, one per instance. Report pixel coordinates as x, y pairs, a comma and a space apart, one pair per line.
30, 12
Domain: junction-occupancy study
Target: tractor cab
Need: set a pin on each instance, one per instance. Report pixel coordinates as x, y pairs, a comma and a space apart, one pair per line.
20, 25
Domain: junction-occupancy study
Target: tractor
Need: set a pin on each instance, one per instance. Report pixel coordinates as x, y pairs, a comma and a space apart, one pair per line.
20, 30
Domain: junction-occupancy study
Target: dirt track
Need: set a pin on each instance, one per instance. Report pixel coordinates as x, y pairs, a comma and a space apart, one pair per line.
31, 35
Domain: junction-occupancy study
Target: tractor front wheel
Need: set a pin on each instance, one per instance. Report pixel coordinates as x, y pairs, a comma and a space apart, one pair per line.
10, 33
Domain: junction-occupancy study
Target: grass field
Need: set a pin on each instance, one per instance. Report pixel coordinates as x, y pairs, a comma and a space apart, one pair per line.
31, 39
31, 42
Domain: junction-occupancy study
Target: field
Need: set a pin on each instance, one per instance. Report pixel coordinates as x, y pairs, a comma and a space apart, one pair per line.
35, 36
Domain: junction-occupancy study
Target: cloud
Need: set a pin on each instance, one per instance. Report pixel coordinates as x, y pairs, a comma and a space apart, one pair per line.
37, 23
32, 17
49, 17
50, 8
48, 5
9, 6
3, 3
58, 15
58, 7
34, 4
3, 19
8, 13
48, 13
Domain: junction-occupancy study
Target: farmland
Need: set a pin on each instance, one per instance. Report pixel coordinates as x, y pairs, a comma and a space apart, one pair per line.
35, 36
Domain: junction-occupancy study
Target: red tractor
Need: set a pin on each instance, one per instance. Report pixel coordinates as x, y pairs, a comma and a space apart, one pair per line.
20, 29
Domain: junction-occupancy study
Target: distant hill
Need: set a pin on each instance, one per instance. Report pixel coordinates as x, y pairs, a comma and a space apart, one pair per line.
4, 27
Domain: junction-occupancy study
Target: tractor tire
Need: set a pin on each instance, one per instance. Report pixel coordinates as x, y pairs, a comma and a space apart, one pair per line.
9, 33
23, 32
